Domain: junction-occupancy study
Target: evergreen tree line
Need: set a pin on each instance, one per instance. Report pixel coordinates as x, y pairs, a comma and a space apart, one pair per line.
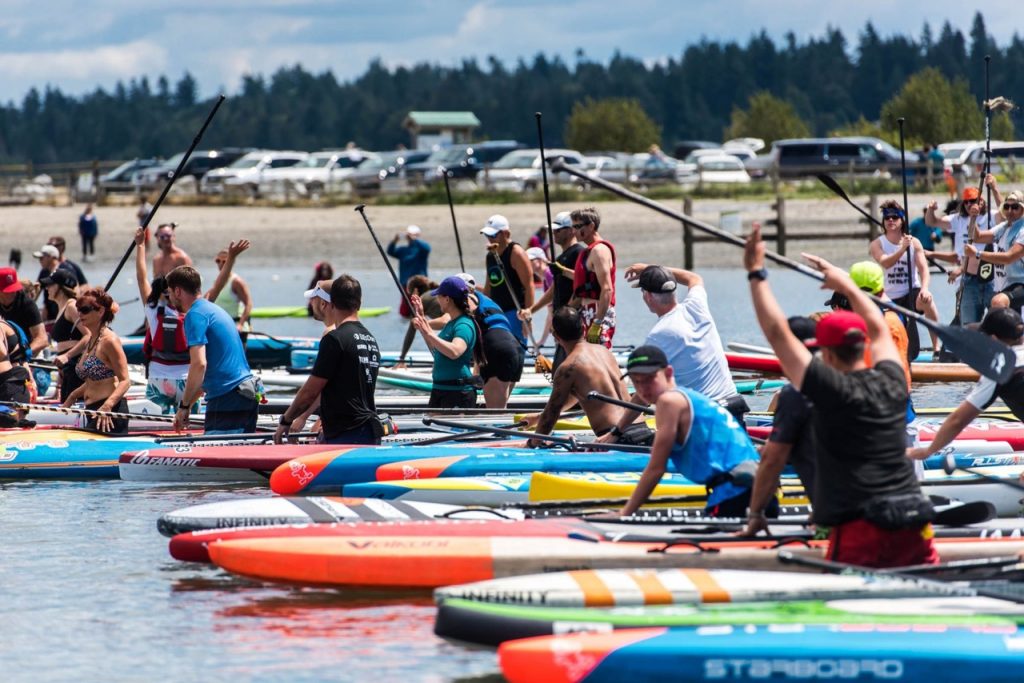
829, 85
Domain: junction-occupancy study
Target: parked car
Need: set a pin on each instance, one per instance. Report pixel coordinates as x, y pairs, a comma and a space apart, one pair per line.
125, 178
385, 173
1004, 156
199, 164
463, 162
605, 167
953, 152
651, 169
683, 148
805, 157
245, 173
520, 170
688, 166
718, 169
327, 171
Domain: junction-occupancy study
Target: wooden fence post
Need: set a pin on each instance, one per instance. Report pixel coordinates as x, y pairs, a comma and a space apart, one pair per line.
687, 235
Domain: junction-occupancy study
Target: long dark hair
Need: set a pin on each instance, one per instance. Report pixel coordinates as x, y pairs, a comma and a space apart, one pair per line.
462, 303
156, 289
321, 271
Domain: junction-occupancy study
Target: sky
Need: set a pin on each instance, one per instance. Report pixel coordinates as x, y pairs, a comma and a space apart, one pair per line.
79, 46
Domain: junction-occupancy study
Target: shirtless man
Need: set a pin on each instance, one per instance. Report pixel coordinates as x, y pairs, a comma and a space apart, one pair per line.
587, 367
171, 255
594, 278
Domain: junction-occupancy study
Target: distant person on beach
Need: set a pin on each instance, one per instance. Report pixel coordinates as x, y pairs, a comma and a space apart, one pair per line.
594, 278
171, 255
88, 229
412, 259
321, 271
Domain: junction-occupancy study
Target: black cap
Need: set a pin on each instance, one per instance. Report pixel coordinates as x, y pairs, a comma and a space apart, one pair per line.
801, 327
656, 279
839, 301
62, 277
1004, 323
645, 360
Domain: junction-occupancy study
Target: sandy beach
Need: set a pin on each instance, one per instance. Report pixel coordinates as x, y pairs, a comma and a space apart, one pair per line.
300, 236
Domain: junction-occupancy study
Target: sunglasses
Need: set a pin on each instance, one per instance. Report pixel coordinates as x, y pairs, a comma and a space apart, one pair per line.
896, 215
87, 308
971, 201
164, 237
1011, 206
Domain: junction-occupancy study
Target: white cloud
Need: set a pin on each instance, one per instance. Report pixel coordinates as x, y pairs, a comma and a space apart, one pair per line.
96, 64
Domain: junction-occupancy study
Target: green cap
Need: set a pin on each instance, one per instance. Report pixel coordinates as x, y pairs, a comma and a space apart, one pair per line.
869, 276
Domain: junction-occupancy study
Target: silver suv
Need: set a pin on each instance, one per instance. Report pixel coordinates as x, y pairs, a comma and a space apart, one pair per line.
245, 173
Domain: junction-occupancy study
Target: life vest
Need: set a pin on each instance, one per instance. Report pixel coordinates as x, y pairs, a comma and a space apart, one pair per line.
169, 345
584, 282
21, 352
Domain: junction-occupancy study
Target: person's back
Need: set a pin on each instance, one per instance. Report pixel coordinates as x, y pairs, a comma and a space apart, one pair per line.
208, 324
592, 367
349, 360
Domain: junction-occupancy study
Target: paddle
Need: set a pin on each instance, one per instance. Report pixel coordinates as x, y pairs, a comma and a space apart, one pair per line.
544, 175
931, 585
461, 436
569, 442
387, 262
451, 207
259, 436
167, 188
906, 206
543, 364
991, 358
949, 466
830, 182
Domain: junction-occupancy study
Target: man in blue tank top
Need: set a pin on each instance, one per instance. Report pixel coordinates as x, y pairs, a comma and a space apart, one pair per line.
703, 441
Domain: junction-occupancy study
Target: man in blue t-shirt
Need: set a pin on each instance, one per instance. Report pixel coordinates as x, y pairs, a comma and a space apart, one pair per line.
217, 363
412, 259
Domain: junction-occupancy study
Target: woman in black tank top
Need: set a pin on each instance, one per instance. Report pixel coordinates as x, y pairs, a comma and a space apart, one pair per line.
61, 287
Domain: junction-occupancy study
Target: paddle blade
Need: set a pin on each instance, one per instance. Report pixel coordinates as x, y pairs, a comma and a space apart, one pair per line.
991, 358
975, 512
830, 182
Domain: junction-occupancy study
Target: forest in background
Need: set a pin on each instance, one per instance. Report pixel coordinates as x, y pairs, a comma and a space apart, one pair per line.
829, 82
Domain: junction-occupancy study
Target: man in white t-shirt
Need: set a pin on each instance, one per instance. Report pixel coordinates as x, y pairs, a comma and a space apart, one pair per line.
687, 334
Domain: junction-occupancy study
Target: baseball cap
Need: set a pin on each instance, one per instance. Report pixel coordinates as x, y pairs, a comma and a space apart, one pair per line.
9, 282
47, 250
1004, 323
656, 279
468, 279
1015, 196
868, 275
840, 328
453, 286
413, 230
494, 225
803, 328
562, 220
62, 277
645, 360
319, 292
970, 193
536, 252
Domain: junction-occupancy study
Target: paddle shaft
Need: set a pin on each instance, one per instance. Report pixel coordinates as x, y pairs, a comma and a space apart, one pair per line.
544, 175
998, 369
459, 436
167, 188
88, 412
515, 301
451, 208
260, 436
906, 205
569, 442
387, 262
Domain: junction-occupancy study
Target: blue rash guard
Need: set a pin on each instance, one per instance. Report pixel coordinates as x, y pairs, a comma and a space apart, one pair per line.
714, 445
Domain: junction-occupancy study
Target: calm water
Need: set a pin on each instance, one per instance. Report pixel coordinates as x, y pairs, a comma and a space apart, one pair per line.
88, 591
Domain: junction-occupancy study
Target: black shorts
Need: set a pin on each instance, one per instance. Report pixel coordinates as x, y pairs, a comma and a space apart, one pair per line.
460, 398
120, 424
1015, 292
505, 356
14, 385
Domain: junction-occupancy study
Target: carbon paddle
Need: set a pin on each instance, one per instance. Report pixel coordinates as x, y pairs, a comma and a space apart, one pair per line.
451, 207
949, 466
989, 357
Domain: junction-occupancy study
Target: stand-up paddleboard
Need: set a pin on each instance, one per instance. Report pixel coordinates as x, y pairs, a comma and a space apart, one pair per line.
355, 465
261, 351
493, 491
952, 654
919, 372
302, 312
63, 454
211, 463
546, 486
639, 587
967, 487
491, 624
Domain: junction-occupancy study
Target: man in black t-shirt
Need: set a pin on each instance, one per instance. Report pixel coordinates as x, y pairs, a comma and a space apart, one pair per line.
865, 488
792, 440
344, 375
17, 308
560, 293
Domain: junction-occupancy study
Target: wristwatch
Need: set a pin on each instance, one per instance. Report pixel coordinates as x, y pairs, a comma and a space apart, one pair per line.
184, 406
283, 422
752, 514
615, 431
759, 274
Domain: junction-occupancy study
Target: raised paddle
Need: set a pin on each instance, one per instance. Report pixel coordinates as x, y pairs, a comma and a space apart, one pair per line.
830, 182
544, 175
906, 208
451, 207
991, 358
387, 262
167, 188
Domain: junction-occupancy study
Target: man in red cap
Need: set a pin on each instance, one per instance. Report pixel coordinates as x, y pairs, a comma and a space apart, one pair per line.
864, 487
17, 308
971, 217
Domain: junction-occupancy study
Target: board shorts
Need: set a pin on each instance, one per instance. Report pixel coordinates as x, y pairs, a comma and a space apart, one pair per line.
865, 544
166, 393
442, 398
505, 356
588, 312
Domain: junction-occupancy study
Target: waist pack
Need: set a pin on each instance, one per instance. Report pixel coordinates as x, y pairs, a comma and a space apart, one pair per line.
899, 511
638, 434
382, 425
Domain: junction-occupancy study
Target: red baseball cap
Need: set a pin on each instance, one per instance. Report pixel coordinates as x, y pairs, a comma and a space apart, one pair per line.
839, 329
971, 193
9, 282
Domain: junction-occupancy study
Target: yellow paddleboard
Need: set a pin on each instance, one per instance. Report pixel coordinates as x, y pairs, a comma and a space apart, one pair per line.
601, 485
570, 424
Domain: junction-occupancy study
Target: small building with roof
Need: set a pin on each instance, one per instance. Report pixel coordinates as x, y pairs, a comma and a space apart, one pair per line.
433, 129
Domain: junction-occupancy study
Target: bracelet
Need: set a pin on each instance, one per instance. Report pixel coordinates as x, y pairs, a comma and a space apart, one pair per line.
184, 406
615, 431
759, 274
751, 514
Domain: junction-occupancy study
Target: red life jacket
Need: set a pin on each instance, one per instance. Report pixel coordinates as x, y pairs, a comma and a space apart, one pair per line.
169, 345
584, 282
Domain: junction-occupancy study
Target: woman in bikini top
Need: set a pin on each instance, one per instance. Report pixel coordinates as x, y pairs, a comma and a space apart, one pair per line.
103, 366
